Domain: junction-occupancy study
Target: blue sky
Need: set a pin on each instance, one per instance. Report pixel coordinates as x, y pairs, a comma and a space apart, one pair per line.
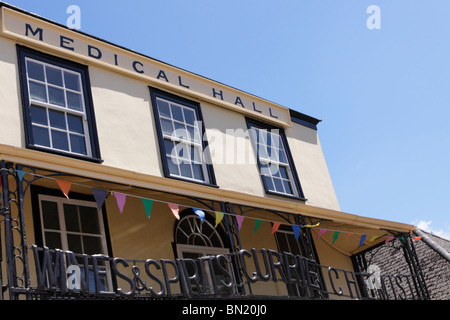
383, 95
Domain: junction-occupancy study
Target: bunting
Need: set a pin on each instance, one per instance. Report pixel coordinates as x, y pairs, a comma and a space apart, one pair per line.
240, 220
99, 195
296, 229
200, 213
65, 187
175, 210
363, 238
120, 198
219, 217
335, 236
275, 227
257, 224
147, 206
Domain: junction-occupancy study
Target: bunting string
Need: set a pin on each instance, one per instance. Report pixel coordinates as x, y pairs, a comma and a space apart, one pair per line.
101, 194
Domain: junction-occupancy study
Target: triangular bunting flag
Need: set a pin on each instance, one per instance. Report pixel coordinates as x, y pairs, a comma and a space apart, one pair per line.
296, 229
99, 196
389, 239
321, 232
148, 206
257, 224
20, 174
240, 219
275, 227
175, 210
373, 238
348, 235
219, 217
335, 236
363, 238
200, 213
64, 186
121, 198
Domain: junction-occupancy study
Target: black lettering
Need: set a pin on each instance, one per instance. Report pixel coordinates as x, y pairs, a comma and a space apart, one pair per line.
351, 282
34, 32
123, 276
168, 280
254, 108
239, 101
247, 253
135, 63
276, 265
153, 277
181, 83
47, 270
266, 276
226, 269
162, 74
291, 268
64, 42
97, 54
398, 279
310, 272
272, 115
190, 278
115, 60
330, 269
220, 93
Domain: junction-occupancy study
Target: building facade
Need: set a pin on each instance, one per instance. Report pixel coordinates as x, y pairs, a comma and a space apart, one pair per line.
124, 177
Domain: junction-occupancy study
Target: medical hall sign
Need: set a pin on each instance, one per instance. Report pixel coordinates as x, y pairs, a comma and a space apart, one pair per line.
31, 30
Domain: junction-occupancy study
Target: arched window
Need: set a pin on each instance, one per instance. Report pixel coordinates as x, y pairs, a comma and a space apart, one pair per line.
195, 239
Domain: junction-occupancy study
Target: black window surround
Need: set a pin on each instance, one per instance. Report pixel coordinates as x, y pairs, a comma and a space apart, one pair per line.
57, 106
277, 170
181, 136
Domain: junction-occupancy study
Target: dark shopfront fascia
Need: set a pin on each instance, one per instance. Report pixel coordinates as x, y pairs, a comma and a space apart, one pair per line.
209, 272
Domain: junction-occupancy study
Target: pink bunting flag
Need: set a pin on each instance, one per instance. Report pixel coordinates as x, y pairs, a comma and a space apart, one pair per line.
275, 227
121, 198
321, 232
389, 239
240, 219
175, 210
65, 187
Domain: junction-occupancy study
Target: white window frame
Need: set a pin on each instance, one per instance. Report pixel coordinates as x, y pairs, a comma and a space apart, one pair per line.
60, 201
65, 110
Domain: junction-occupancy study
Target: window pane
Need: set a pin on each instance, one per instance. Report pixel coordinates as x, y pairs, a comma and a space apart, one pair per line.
167, 126
89, 220
77, 144
37, 92
163, 108
71, 217
177, 113
59, 140
35, 71
72, 81
54, 76
198, 172
50, 215
92, 245
57, 119
53, 240
56, 96
74, 101
40, 136
74, 243
75, 124
287, 187
169, 147
283, 172
173, 167
278, 185
38, 115
268, 183
185, 170
189, 116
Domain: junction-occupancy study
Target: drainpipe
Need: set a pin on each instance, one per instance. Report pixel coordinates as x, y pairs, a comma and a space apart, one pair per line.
433, 245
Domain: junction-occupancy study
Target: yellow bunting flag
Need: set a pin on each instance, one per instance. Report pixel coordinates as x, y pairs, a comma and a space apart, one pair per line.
219, 217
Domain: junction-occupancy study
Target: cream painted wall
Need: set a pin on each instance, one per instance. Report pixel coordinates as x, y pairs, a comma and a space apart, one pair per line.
128, 138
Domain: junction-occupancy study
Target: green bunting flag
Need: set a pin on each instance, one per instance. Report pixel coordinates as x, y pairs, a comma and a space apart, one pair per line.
335, 236
148, 206
257, 224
